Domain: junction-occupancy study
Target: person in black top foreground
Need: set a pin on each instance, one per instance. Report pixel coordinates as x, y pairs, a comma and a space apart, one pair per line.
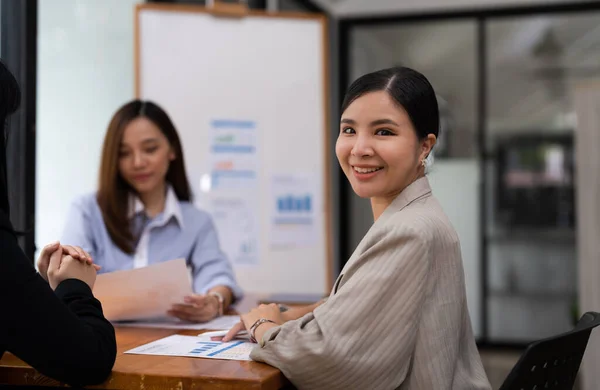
62, 333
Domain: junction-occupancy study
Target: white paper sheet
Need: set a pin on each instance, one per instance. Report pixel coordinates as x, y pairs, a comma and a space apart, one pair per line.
219, 323
192, 346
143, 293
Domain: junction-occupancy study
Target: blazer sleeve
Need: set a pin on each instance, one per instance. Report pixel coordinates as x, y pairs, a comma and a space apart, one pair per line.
364, 335
62, 334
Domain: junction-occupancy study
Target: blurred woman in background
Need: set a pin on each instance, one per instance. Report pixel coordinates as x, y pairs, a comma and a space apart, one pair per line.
142, 212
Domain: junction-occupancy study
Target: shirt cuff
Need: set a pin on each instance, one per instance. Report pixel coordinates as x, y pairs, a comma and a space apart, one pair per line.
235, 289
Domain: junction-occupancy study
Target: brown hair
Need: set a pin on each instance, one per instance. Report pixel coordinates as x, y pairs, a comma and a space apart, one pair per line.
113, 190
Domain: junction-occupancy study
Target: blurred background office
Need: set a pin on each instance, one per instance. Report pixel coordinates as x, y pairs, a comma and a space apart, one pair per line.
515, 168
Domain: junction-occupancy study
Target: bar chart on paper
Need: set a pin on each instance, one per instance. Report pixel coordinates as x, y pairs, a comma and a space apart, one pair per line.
203, 347
191, 346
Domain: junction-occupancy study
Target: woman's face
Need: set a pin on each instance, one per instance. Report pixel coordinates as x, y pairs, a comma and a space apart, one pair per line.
144, 156
378, 148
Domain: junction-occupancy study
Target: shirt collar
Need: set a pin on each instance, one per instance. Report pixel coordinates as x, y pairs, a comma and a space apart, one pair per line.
172, 207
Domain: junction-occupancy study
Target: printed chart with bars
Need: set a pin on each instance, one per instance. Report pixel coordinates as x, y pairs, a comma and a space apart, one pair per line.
191, 346
203, 346
290, 203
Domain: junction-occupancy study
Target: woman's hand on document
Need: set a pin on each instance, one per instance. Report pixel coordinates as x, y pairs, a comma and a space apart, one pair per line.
270, 312
66, 250
197, 308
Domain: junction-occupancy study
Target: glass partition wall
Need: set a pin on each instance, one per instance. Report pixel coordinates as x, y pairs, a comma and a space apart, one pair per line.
533, 63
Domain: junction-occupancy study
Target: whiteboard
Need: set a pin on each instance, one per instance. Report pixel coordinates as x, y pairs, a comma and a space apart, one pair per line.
248, 98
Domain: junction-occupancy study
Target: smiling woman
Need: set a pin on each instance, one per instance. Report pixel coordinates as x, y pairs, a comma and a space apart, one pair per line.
142, 212
386, 133
397, 316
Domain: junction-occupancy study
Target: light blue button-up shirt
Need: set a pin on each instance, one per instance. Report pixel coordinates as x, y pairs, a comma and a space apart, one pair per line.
180, 231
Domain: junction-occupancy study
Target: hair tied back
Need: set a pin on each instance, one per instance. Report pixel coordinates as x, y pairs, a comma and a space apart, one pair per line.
143, 109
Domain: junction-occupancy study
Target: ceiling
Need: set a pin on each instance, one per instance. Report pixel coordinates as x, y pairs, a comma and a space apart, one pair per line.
363, 8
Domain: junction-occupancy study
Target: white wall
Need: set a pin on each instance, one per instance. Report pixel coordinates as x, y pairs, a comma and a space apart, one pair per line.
85, 72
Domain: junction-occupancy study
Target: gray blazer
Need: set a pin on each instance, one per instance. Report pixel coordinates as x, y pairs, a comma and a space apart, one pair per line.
397, 316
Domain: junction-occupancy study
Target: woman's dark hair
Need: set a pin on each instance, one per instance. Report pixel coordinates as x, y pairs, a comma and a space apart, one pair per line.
10, 97
409, 89
113, 190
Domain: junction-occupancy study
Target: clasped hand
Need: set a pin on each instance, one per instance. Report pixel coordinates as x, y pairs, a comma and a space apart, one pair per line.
57, 263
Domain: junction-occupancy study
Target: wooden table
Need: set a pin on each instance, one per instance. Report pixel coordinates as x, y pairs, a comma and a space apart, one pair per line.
159, 372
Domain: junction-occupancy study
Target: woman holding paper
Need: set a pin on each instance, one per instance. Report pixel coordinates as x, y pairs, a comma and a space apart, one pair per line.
142, 212
62, 333
397, 317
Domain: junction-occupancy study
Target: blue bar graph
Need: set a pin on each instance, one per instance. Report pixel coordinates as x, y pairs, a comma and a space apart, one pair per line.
294, 204
232, 124
204, 347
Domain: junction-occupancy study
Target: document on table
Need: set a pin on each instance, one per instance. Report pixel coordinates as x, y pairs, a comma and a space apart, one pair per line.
223, 322
143, 293
192, 346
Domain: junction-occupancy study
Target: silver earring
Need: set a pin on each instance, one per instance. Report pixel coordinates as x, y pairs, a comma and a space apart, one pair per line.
423, 163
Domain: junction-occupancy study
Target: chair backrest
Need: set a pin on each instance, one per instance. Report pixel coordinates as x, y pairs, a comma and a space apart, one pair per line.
553, 363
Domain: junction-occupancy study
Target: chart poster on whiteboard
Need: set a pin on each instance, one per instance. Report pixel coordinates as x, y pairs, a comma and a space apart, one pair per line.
295, 211
233, 193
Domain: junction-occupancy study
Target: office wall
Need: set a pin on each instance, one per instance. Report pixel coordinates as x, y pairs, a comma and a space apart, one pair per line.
85, 72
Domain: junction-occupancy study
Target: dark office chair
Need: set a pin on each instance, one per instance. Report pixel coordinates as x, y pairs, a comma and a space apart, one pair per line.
553, 363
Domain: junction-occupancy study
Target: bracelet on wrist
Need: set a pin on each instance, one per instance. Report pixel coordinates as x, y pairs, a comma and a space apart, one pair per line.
256, 324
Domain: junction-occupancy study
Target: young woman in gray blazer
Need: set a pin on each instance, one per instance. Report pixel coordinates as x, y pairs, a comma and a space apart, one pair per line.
397, 316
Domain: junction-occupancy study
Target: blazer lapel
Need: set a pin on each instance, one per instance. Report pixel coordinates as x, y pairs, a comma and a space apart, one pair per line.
416, 190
